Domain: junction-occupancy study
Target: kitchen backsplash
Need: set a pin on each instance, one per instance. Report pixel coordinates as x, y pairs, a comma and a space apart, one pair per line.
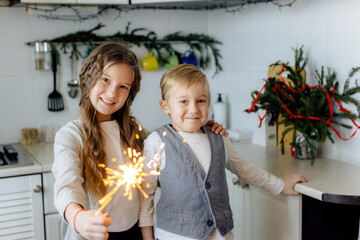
252, 39
24, 91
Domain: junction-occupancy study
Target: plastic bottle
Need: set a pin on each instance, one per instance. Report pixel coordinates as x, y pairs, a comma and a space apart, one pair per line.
220, 113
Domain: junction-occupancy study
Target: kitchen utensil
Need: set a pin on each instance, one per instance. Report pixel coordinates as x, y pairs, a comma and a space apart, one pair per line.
73, 85
149, 62
189, 58
42, 56
55, 102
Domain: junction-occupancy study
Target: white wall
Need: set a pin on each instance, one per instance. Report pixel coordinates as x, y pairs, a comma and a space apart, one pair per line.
262, 34
24, 90
252, 39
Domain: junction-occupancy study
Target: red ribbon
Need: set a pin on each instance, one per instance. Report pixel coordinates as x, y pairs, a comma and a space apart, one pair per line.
277, 89
255, 102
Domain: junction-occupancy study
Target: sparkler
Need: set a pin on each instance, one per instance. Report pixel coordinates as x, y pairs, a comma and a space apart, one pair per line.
129, 175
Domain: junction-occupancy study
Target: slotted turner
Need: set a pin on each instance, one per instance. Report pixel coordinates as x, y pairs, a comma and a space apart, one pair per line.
55, 102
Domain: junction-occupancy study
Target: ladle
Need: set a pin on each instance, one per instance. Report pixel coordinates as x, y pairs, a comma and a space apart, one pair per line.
73, 84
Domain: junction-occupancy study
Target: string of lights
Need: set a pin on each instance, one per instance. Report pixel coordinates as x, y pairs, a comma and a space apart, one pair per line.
241, 7
83, 12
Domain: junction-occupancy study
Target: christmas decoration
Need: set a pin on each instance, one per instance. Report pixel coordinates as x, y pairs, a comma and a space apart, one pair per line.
308, 110
83, 12
202, 45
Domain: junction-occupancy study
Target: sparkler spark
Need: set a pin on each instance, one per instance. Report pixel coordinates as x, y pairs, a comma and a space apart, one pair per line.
129, 175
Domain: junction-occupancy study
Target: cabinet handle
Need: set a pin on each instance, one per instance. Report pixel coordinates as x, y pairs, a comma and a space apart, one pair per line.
237, 181
37, 188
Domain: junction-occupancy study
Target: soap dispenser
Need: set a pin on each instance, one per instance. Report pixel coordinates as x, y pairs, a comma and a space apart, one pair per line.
220, 113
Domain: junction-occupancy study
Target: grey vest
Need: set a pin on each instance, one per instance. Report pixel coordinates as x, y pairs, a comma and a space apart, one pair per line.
198, 201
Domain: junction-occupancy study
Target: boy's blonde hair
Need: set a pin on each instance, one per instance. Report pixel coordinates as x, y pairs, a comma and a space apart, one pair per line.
183, 75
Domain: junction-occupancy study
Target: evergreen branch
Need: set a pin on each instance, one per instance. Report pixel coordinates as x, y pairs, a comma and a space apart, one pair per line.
320, 76
200, 43
346, 85
344, 125
351, 91
353, 71
309, 102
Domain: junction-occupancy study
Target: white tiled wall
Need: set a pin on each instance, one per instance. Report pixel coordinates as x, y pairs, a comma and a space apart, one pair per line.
252, 39
24, 90
262, 34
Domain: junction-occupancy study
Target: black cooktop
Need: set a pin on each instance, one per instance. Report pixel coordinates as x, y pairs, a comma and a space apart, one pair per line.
12, 155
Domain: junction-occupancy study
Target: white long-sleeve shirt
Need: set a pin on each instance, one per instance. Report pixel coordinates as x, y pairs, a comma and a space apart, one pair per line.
199, 144
69, 187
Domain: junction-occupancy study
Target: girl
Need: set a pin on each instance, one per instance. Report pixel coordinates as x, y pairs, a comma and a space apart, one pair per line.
109, 81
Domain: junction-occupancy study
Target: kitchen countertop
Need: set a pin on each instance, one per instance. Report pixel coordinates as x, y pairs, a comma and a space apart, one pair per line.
43, 153
31, 167
328, 180
14, 171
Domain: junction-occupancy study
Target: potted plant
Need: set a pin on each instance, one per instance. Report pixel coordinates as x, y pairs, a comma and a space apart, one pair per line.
312, 112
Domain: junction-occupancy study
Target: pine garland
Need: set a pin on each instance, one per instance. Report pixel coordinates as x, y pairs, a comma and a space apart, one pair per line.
202, 45
308, 102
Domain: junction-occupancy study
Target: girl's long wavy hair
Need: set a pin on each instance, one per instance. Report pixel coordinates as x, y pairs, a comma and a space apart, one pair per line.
92, 151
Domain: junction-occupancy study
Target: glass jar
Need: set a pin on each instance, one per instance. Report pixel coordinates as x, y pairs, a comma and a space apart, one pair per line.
42, 56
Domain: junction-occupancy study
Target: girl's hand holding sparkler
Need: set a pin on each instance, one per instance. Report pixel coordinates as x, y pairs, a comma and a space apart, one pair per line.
87, 223
93, 226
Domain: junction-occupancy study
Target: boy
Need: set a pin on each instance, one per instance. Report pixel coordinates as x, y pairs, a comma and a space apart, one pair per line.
194, 202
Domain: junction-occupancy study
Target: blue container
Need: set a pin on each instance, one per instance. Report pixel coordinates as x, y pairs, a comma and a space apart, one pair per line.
189, 58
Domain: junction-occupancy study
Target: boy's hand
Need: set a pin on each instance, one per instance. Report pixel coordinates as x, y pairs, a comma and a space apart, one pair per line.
217, 128
289, 183
91, 226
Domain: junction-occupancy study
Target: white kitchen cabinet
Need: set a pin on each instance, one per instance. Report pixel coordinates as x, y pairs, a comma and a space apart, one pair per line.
102, 2
273, 217
237, 196
21, 208
53, 226
47, 1
163, 1
258, 214
52, 218
95, 2
48, 192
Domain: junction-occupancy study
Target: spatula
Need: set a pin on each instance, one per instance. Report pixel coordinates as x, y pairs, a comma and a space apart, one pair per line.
55, 102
